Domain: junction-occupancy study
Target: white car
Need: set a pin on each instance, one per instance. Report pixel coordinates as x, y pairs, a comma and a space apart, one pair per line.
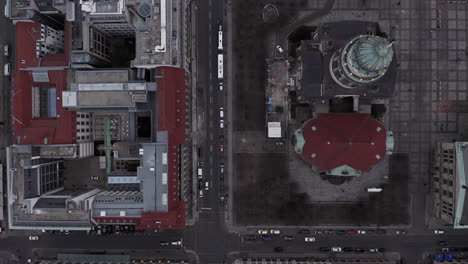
33, 238
336, 249
221, 123
262, 232
207, 186
279, 49
275, 231
176, 243
220, 86
361, 232
439, 232
95, 178
201, 193
309, 239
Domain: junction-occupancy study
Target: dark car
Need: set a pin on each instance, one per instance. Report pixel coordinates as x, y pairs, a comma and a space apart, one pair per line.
288, 238
250, 238
340, 232
370, 232
267, 237
381, 249
381, 231
279, 249
164, 243
359, 250
443, 243
325, 249
304, 231
328, 232
347, 249
351, 232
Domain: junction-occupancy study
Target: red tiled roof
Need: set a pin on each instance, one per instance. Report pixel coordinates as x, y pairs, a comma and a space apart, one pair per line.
26, 129
333, 140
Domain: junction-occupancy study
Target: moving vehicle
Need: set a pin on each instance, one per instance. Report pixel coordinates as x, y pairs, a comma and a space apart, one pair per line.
309, 239
221, 86
207, 186
201, 193
220, 66
6, 50
279, 49
220, 40
221, 123
33, 238
176, 243
7, 69
221, 112
95, 178
200, 173
279, 249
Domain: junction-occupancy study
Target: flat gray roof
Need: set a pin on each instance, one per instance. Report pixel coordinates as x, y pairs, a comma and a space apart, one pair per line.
461, 211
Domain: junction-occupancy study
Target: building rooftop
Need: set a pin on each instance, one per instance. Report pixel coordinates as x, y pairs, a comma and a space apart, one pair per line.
461, 210
334, 140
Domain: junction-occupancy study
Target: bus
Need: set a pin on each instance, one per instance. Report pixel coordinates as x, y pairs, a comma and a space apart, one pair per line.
220, 66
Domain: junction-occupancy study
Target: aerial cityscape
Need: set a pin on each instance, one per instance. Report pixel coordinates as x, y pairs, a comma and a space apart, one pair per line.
234, 131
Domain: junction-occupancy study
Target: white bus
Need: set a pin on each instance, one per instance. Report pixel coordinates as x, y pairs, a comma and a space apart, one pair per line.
220, 66
220, 40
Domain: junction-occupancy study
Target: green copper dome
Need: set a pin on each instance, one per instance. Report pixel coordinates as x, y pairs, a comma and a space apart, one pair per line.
372, 53
366, 58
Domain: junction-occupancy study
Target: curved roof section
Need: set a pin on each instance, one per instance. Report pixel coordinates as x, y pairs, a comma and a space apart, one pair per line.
366, 57
373, 53
334, 140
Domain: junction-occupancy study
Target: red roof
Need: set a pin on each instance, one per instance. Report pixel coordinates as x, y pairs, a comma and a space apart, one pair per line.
171, 117
26, 129
333, 140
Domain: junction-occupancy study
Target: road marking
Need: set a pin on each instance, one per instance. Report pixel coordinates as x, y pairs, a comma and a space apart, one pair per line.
211, 112
211, 99
211, 148
211, 123
211, 136
211, 74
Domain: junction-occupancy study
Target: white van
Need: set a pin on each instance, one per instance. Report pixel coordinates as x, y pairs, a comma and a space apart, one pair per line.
7, 69
200, 173
221, 112
220, 66
220, 40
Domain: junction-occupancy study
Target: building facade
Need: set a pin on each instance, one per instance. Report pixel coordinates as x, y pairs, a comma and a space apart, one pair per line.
450, 201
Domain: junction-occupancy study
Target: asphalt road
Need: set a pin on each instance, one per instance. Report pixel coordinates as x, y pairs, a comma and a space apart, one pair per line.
209, 237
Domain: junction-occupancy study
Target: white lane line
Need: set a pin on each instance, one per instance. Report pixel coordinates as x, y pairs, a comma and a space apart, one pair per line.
211, 99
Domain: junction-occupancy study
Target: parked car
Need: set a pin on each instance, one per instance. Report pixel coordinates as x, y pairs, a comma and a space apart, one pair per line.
400, 232
351, 232
262, 231
317, 232
325, 249
370, 232
304, 231
309, 239
279, 49
7, 69
443, 243
361, 232
95, 178
33, 238
347, 249
359, 250
381, 231
275, 231
250, 237
164, 243
340, 232
288, 238
336, 249
373, 250
328, 232
267, 237
439, 232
